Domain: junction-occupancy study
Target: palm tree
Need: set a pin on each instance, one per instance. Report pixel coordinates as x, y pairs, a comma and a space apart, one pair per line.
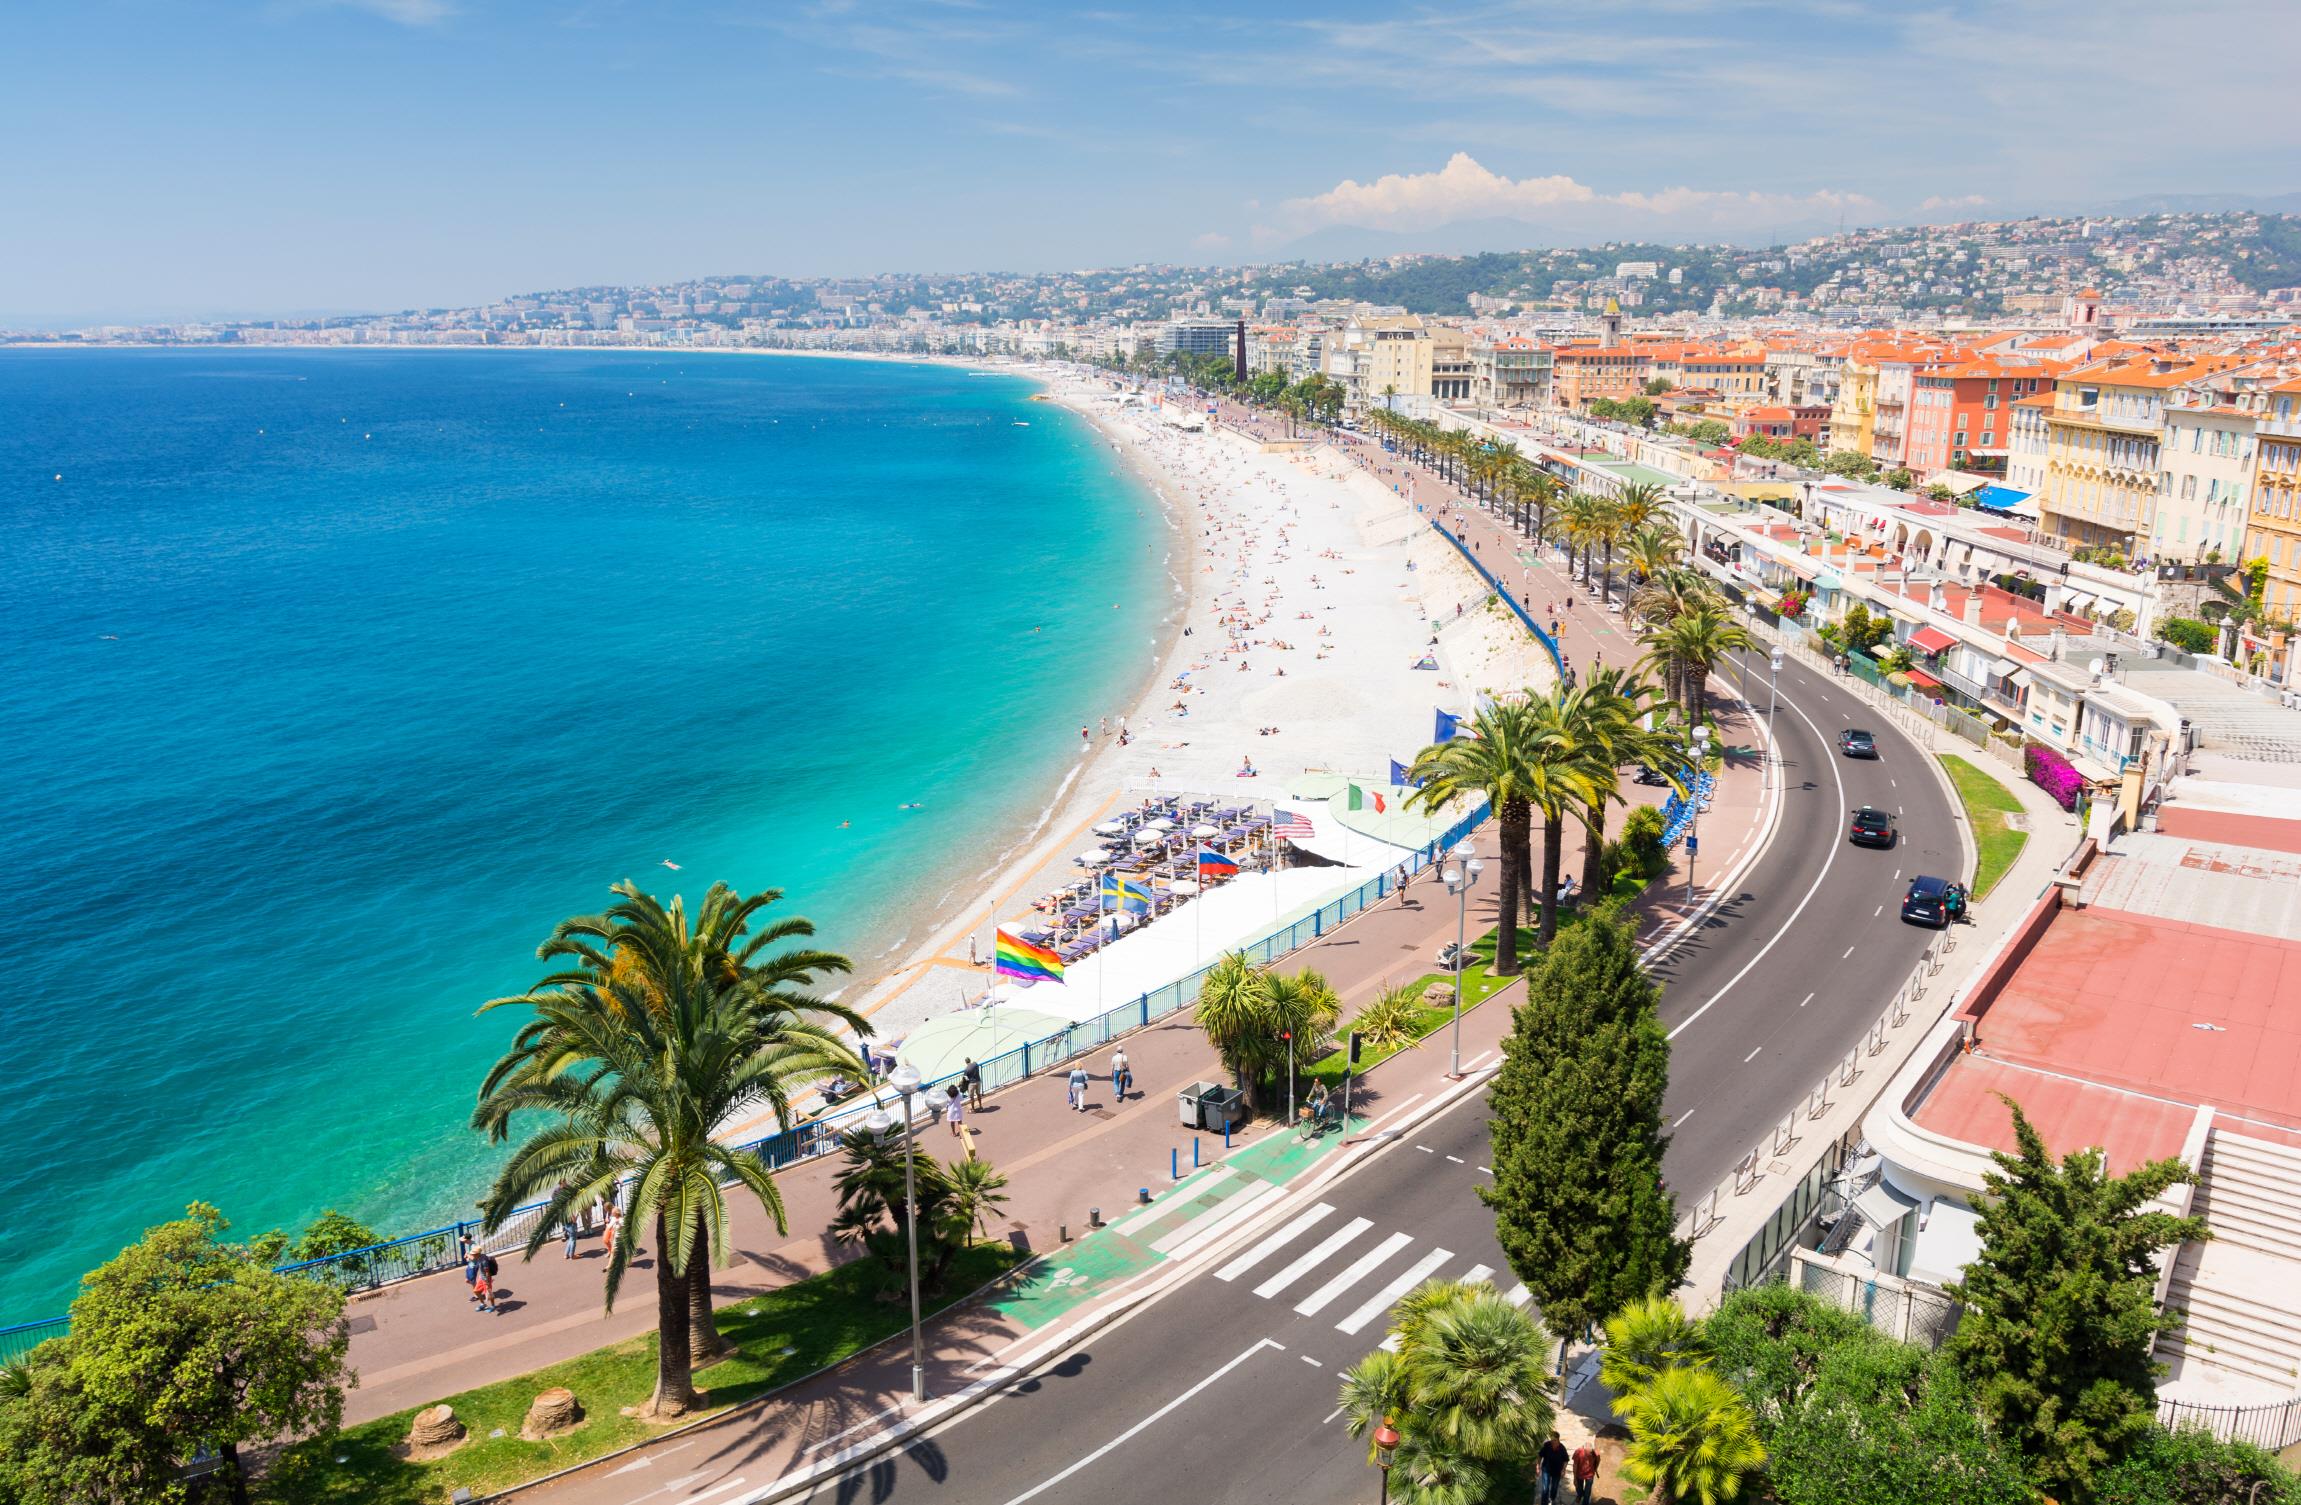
656, 1037
1249, 1014
1607, 529
1672, 592
1607, 715
1392, 1021
1581, 516
1501, 761
1638, 504
1650, 550
1692, 1437
1539, 490
1687, 647
1645, 1338
1464, 1378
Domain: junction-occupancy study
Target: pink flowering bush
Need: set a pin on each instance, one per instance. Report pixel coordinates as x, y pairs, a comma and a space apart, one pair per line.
1792, 605
2050, 771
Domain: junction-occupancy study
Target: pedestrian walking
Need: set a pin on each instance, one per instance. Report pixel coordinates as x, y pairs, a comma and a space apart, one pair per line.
972, 1075
470, 1270
954, 1108
614, 1227
567, 1237
484, 1286
1078, 1082
1553, 1460
1585, 1472
1122, 1077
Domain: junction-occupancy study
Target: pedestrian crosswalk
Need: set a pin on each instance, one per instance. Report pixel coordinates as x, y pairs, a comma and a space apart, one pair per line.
1337, 1266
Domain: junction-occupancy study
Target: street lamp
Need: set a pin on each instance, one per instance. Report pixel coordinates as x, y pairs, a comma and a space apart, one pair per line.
1385, 1444
905, 1079
1774, 687
1460, 876
1694, 806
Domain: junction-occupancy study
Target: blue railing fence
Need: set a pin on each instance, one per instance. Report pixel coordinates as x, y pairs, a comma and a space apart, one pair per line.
439, 1248
1557, 661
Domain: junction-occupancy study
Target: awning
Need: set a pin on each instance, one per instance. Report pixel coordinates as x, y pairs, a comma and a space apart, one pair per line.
1931, 640
1923, 680
2000, 498
1882, 1207
1828, 582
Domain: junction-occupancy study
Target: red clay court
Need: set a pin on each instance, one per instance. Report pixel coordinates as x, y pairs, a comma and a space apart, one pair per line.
2118, 1026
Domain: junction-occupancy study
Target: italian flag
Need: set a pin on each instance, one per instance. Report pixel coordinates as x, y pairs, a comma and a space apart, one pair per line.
1359, 797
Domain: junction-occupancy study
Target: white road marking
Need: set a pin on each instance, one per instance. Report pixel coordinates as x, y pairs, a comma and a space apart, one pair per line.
1195, 1235
1488, 1169
1881, 909
1274, 1243
1689, 1113
1475, 1274
1897, 875
1412, 1276
1849, 952
1307, 1359
1519, 1296
1809, 998
1893, 784
1752, 1056
1302, 1263
1457, 1159
1130, 1433
1425, 1149
1337, 1411
1358, 1269
719, 1489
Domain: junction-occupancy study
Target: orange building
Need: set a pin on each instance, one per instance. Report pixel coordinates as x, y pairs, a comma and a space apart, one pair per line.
1960, 412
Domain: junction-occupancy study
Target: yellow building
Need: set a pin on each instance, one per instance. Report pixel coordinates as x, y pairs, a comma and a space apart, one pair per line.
2101, 448
1854, 416
2273, 527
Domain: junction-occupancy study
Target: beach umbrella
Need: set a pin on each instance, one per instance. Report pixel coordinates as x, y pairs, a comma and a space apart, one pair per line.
1109, 828
1095, 856
1205, 833
1184, 886
1149, 838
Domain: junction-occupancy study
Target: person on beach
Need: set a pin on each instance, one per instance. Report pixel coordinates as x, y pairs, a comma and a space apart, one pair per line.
972, 1075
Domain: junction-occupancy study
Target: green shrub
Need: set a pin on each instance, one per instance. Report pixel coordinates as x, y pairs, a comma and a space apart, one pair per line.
1640, 848
2191, 1467
2187, 634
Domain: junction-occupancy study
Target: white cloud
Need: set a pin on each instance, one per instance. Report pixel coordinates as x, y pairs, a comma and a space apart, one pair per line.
1466, 190
1958, 201
1213, 240
405, 12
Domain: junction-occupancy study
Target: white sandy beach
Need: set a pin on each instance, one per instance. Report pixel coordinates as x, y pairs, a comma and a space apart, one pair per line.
1302, 616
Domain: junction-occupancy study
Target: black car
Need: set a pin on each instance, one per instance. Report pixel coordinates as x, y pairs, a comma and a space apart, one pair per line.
1871, 828
1856, 743
1927, 902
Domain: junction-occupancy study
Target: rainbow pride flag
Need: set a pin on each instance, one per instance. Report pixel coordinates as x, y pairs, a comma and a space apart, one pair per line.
1019, 959
1212, 864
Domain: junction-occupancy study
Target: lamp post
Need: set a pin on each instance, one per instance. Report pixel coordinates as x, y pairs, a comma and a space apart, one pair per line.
905, 1079
1774, 686
1460, 876
1385, 1444
1701, 748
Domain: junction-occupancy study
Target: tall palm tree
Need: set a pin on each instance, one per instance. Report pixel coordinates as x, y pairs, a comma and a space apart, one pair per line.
1607, 714
1638, 503
1671, 592
1250, 1013
1687, 647
1606, 530
1651, 549
1540, 491
656, 1036
1499, 761
1692, 1438
1581, 518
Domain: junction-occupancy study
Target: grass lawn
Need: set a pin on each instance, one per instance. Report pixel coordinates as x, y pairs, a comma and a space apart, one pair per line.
1987, 804
784, 1335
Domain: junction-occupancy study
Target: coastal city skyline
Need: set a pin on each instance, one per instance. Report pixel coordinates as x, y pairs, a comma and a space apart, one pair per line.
968, 753
267, 159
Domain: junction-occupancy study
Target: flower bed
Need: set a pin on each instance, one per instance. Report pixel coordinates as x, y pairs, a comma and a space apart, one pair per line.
2050, 771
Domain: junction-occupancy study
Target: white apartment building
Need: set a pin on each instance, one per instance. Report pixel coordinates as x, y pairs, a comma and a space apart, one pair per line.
2206, 464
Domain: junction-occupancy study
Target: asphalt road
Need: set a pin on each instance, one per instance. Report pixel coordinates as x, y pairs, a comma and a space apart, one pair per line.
1795, 965
1225, 1388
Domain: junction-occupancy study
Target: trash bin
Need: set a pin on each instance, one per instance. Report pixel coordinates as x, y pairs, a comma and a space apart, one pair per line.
1222, 1109
1193, 1100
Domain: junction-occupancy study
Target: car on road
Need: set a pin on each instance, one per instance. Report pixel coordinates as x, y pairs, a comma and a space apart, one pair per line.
1927, 902
1448, 953
1871, 828
1856, 743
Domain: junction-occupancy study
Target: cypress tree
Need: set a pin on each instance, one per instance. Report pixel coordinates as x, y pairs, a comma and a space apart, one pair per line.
1576, 1123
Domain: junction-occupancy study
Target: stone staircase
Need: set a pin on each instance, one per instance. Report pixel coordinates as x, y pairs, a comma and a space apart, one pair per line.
2238, 1288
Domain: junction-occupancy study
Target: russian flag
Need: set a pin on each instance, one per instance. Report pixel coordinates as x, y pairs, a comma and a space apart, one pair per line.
1212, 864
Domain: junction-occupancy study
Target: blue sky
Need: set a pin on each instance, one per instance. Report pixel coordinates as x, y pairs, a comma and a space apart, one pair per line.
246, 156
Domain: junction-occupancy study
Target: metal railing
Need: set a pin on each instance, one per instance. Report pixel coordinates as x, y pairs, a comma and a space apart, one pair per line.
1500, 590
1796, 1212
439, 1248
2275, 1426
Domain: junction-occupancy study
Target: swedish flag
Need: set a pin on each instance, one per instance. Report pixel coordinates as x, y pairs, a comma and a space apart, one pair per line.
1122, 892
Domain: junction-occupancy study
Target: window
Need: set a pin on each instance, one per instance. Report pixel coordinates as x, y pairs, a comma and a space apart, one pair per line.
1990, 402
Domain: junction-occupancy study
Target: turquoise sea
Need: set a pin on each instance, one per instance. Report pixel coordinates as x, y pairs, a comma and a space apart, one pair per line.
330, 680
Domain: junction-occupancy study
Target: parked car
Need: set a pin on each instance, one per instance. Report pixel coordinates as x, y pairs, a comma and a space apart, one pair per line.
1856, 743
1927, 902
1871, 828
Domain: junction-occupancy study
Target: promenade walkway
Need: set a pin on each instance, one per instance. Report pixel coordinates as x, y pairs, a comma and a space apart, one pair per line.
421, 1340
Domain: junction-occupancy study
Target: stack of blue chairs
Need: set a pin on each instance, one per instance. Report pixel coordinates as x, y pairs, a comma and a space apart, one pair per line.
1677, 814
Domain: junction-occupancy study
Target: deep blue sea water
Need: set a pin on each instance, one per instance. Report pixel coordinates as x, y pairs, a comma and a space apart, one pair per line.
330, 680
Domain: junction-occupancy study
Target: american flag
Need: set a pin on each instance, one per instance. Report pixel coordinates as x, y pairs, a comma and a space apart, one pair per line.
1292, 825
